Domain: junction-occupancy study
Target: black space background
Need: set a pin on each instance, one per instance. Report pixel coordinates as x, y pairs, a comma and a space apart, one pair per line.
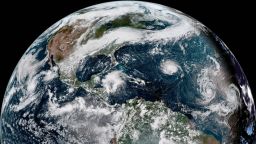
23, 21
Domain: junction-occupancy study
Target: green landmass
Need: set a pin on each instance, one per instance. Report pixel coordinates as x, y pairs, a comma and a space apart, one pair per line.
124, 21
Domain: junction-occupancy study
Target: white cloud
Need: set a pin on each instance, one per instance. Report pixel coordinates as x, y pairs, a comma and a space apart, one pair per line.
169, 67
113, 81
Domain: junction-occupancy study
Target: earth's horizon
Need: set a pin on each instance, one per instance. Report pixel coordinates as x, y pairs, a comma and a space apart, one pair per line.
128, 72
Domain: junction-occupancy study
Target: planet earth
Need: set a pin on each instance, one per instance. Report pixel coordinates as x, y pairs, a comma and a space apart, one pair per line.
128, 72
